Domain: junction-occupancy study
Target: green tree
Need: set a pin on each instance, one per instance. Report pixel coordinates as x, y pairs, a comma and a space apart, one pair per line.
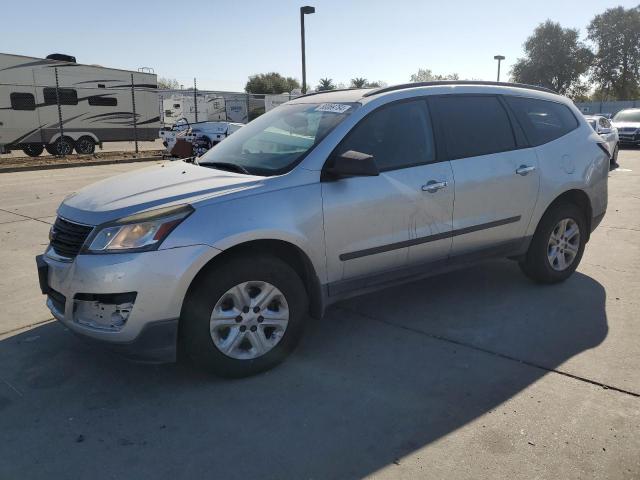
616, 35
358, 82
426, 75
325, 84
555, 58
272, 82
168, 83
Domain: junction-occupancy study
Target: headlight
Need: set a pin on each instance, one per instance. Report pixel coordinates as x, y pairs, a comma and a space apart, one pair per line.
140, 232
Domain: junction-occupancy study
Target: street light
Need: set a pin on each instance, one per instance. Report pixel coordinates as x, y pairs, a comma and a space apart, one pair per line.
306, 10
499, 58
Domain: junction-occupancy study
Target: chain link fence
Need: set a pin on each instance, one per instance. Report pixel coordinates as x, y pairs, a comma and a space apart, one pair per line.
211, 105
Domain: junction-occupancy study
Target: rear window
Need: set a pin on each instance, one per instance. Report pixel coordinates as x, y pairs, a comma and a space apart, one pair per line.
541, 120
473, 125
68, 96
22, 101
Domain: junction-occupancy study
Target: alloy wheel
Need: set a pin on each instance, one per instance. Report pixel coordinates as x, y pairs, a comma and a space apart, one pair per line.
249, 320
564, 244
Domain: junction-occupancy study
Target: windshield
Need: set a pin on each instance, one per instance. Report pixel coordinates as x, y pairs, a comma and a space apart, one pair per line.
278, 140
592, 122
627, 116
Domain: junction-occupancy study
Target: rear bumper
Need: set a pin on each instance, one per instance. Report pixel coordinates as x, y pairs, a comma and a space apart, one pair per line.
595, 221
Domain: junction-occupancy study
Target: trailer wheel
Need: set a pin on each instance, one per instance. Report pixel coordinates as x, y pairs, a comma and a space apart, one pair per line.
33, 149
63, 146
85, 145
49, 147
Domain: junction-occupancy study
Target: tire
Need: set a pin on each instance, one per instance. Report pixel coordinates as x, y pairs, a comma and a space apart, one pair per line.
33, 149
614, 157
538, 264
62, 146
50, 149
85, 145
210, 342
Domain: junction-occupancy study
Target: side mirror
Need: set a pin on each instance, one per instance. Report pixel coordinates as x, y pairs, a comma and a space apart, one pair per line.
353, 164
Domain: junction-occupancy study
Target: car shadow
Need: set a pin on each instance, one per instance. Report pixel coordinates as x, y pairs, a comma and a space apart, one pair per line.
378, 378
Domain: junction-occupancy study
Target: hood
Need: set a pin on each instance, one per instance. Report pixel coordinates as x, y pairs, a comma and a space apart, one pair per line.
154, 187
626, 124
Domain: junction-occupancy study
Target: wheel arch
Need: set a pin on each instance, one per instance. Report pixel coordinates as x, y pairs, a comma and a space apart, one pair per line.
289, 253
580, 199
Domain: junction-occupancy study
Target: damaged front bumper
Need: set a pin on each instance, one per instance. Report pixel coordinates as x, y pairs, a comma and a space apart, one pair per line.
130, 302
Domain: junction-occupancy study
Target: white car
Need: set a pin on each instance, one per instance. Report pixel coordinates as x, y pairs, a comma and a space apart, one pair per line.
609, 133
202, 135
628, 124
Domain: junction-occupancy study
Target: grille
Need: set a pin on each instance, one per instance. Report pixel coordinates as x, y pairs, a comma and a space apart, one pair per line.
67, 238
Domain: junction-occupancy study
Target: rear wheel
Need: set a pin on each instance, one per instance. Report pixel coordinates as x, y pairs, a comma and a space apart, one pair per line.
62, 146
85, 145
244, 316
614, 157
557, 246
33, 149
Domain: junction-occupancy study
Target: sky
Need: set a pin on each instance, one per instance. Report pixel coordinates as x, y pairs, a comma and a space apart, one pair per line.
221, 43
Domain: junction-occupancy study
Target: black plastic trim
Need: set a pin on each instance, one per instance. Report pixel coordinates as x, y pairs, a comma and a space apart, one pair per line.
430, 238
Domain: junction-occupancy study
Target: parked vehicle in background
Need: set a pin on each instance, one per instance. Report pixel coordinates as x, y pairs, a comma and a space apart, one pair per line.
179, 107
95, 104
628, 124
608, 132
328, 196
185, 139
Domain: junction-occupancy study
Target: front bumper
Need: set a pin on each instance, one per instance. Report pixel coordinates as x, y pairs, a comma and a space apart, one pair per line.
143, 291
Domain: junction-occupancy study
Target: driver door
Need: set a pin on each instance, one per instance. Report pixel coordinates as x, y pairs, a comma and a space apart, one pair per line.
378, 224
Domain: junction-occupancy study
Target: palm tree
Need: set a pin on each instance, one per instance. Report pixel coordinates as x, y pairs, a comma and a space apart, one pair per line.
358, 82
325, 84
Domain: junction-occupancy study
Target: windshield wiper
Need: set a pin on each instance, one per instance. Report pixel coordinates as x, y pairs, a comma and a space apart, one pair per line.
229, 167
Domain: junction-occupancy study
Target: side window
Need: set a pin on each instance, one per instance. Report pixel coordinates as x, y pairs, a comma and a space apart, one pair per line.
68, 96
473, 125
398, 136
99, 101
22, 101
543, 121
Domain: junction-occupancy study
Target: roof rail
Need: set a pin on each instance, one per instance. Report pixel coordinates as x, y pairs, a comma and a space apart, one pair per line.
455, 82
326, 91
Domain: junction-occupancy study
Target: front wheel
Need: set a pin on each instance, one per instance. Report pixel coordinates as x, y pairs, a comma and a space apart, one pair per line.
244, 316
557, 246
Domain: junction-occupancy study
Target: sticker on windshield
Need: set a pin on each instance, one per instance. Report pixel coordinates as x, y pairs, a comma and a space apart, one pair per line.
333, 107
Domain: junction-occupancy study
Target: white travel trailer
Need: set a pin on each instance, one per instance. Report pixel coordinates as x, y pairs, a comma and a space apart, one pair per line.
96, 105
181, 107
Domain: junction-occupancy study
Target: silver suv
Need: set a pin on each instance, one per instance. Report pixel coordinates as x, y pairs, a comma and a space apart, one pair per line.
326, 197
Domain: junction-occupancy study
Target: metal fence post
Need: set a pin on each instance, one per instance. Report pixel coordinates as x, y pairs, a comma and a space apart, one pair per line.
59, 108
135, 120
195, 97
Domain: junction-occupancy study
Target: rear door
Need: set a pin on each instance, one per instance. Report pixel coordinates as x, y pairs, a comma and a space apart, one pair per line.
496, 179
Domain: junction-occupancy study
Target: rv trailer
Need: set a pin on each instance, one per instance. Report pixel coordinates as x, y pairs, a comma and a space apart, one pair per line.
96, 105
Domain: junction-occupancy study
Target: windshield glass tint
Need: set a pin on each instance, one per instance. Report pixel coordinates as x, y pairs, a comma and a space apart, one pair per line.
275, 142
628, 116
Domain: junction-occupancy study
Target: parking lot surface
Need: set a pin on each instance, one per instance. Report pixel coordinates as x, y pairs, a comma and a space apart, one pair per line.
478, 373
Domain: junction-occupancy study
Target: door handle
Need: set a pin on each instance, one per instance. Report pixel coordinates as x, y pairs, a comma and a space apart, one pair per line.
432, 186
525, 169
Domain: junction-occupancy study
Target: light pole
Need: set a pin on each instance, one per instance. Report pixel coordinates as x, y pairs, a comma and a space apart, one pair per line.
499, 58
306, 10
